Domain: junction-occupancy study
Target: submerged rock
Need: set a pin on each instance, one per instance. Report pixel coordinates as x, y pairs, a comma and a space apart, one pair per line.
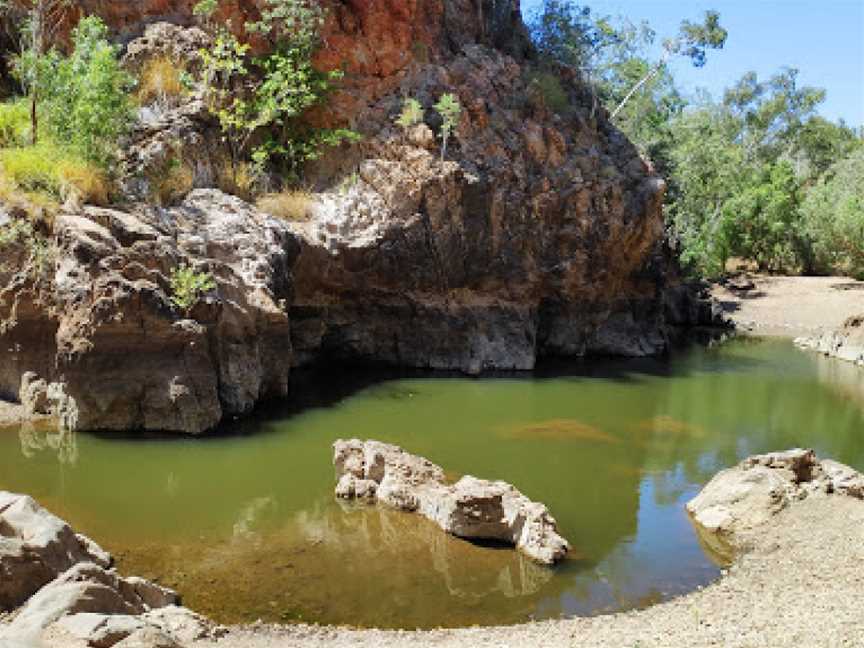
740, 499
471, 508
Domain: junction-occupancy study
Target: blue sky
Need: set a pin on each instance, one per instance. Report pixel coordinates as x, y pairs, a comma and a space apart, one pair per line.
824, 39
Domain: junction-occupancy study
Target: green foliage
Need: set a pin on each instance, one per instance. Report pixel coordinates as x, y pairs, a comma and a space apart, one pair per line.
760, 222
566, 34
88, 105
411, 115
548, 86
15, 123
449, 108
188, 287
833, 217
267, 95
694, 39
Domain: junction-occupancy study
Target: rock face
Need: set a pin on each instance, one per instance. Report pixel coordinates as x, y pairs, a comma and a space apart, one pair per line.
741, 499
103, 346
539, 235
846, 343
63, 582
471, 508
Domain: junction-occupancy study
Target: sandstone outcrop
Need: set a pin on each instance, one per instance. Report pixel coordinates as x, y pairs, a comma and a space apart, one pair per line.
102, 346
471, 508
846, 343
739, 500
65, 588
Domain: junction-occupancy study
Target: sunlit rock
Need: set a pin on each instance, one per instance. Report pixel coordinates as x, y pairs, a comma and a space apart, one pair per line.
471, 508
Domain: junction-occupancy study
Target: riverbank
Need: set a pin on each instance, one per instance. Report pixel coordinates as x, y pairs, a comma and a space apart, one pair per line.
799, 585
789, 306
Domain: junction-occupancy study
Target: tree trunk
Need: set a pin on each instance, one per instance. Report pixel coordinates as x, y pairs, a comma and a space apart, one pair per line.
34, 121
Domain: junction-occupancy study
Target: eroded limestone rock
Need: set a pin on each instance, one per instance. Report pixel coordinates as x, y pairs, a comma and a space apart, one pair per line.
740, 499
471, 508
106, 348
35, 547
66, 591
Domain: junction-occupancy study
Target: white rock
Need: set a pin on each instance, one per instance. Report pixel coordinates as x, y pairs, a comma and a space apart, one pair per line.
472, 508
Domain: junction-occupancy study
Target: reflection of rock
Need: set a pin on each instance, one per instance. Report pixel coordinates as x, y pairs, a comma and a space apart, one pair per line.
36, 438
355, 529
68, 593
747, 496
250, 517
472, 508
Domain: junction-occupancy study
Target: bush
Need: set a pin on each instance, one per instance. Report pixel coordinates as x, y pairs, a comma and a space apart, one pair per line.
833, 217
549, 87
14, 123
188, 287
88, 104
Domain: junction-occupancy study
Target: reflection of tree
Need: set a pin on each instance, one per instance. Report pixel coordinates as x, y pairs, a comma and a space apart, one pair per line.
36, 438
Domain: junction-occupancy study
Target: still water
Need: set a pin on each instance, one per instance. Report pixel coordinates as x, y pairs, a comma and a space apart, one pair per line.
245, 526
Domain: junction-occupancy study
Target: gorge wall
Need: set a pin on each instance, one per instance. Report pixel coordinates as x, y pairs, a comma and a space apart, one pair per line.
540, 235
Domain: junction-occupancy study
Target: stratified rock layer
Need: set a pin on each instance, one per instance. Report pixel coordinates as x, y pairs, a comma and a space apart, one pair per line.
471, 508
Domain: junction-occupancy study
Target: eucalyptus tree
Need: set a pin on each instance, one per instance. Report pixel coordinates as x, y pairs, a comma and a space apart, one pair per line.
41, 26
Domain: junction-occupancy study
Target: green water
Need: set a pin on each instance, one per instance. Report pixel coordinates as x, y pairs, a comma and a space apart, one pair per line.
245, 526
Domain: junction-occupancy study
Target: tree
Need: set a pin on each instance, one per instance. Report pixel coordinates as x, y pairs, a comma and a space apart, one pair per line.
411, 114
86, 99
693, 41
833, 217
449, 109
267, 95
42, 22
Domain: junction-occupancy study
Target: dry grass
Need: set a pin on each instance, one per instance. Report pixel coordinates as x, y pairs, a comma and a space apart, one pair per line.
160, 81
37, 179
171, 183
83, 183
290, 205
239, 180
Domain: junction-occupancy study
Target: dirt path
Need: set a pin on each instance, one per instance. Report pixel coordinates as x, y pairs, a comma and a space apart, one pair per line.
801, 585
790, 306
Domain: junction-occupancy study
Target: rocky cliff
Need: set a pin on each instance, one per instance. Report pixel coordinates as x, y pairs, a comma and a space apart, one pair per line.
539, 235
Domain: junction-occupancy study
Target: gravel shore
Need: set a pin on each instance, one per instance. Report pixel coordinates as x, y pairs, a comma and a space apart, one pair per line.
790, 306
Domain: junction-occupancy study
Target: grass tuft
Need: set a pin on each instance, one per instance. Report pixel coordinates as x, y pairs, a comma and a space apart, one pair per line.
291, 205
160, 81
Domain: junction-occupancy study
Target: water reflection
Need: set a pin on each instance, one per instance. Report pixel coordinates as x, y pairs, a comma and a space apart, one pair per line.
37, 438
